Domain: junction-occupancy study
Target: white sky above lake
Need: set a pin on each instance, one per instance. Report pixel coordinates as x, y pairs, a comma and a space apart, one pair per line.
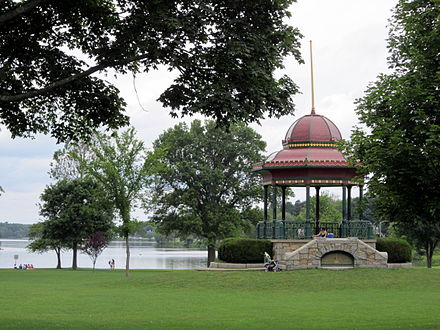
349, 48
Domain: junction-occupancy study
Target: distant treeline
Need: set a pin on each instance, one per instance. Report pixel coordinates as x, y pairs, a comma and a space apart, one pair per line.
13, 230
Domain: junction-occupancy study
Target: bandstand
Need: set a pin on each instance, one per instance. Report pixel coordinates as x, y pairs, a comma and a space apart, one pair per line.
310, 159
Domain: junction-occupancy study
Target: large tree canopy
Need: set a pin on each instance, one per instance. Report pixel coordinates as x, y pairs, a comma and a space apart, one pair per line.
122, 166
401, 148
205, 186
74, 209
40, 244
225, 53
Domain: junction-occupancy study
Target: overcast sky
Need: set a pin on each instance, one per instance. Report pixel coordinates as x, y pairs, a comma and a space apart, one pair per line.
349, 48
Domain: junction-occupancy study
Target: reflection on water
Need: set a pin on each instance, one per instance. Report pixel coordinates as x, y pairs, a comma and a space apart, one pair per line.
144, 255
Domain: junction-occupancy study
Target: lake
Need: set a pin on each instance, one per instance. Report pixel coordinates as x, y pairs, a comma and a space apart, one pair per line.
144, 255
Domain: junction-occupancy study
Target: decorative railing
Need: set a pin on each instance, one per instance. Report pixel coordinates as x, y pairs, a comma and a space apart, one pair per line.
304, 230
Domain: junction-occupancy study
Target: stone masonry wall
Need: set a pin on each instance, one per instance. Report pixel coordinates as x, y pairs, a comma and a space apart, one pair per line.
291, 255
282, 246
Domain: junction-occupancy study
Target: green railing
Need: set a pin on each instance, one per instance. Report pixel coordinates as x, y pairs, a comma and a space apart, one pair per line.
304, 230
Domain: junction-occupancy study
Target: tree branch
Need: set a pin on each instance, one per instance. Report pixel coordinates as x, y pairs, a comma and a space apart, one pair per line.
31, 4
62, 82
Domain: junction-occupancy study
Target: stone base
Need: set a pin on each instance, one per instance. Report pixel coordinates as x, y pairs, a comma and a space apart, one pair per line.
345, 252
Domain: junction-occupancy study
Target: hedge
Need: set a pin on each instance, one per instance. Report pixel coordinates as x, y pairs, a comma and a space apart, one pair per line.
399, 250
244, 250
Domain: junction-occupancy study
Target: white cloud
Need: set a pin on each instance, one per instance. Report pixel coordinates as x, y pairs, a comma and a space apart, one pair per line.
20, 207
23, 173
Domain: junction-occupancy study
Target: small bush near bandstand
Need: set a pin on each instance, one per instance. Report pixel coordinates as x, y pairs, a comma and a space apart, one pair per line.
398, 249
244, 250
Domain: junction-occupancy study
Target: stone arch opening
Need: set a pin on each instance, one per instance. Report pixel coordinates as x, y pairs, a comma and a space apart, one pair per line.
337, 259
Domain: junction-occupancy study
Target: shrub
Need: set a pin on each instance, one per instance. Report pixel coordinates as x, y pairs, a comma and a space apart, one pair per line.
244, 250
398, 249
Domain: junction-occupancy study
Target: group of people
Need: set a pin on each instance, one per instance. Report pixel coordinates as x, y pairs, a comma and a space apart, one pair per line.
111, 263
24, 266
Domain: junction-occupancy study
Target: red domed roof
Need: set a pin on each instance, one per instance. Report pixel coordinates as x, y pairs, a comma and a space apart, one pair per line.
312, 128
309, 156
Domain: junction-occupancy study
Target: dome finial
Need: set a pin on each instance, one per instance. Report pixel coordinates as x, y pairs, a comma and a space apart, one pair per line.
311, 73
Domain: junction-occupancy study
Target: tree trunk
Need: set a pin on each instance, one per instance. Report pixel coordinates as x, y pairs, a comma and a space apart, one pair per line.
211, 253
429, 252
127, 260
74, 256
58, 252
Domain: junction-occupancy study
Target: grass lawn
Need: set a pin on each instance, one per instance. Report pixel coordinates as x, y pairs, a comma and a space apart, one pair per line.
360, 298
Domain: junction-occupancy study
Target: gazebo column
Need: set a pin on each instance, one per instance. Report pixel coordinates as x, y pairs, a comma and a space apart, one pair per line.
317, 211
308, 226
283, 203
349, 203
274, 209
266, 188
274, 202
361, 198
344, 205
344, 225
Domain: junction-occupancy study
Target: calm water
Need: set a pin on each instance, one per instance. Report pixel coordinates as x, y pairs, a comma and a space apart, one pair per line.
144, 255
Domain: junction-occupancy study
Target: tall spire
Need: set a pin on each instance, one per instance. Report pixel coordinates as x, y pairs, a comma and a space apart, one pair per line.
313, 84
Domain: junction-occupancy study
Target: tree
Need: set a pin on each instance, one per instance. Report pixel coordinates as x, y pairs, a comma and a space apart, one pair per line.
401, 147
13, 230
289, 194
41, 244
329, 209
94, 245
366, 209
65, 166
122, 166
225, 54
205, 186
74, 209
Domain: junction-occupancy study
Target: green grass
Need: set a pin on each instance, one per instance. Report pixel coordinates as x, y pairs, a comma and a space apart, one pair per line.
360, 298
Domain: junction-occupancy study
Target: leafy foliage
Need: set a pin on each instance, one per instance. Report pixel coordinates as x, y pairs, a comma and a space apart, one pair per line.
401, 148
67, 161
367, 208
398, 249
42, 244
329, 209
123, 168
289, 206
74, 209
94, 245
13, 230
225, 54
244, 250
294, 209
205, 186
